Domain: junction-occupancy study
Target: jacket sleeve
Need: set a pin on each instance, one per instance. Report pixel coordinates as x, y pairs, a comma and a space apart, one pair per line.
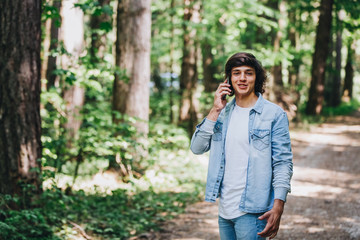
201, 139
281, 157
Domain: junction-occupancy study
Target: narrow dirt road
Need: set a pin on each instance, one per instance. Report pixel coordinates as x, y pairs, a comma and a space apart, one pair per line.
325, 198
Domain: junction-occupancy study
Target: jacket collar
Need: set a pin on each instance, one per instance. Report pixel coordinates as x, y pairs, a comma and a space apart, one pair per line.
258, 107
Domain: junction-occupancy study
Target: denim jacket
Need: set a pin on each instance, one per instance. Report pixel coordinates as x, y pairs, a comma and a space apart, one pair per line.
270, 159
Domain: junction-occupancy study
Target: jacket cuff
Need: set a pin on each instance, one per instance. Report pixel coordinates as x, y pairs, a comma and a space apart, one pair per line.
207, 126
281, 193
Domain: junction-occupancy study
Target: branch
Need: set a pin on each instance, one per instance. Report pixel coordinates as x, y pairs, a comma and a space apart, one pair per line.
81, 230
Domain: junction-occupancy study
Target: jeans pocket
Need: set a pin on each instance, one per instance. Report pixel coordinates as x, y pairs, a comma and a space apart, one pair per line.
260, 225
260, 138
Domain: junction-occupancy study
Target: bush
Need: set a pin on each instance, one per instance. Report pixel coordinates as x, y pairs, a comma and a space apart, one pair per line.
345, 108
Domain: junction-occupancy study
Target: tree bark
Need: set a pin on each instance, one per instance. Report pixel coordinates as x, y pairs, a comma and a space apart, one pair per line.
189, 74
329, 71
209, 69
72, 30
336, 84
54, 39
131, 90
276, 85
316, 92
98, 41
295, 64
349, 71
44, 54
172, 47
20, 123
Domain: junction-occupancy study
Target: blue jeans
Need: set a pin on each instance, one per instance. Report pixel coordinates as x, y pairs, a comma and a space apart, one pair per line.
244, 227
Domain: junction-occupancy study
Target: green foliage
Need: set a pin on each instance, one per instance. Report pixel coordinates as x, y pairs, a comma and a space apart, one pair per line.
143, 203
50, 12
24, 224
53, 134
92, 7
99, 136
166, 188
118, 215
345, 108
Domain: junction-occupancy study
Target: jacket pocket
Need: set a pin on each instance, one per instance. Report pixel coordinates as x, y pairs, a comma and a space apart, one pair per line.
217, 136
260, 138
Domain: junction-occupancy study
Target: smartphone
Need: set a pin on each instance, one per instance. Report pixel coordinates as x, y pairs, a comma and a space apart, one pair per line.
228, 82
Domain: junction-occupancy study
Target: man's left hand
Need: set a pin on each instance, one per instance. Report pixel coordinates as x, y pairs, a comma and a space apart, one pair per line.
273, 219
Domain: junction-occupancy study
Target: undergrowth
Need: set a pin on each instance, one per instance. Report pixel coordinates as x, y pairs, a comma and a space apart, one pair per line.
116, 216
172, 180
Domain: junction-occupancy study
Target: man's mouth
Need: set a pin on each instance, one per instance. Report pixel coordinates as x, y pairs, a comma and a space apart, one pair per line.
242, 85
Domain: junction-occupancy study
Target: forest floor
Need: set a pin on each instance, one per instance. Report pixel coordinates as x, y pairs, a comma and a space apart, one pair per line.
325, 198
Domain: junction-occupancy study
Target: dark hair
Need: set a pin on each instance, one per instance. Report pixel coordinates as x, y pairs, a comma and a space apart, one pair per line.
247, 59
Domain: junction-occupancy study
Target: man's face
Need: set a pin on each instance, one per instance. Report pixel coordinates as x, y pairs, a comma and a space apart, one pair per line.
243, 80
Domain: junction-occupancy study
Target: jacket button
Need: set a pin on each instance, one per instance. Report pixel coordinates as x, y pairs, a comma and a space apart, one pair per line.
217, 181
214, 195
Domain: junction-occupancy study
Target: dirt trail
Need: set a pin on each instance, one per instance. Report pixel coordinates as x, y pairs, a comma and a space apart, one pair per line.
325, 198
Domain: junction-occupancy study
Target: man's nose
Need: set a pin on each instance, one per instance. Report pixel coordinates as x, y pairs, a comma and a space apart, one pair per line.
242, 77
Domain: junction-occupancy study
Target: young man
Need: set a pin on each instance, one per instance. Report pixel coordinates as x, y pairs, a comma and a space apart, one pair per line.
250, 164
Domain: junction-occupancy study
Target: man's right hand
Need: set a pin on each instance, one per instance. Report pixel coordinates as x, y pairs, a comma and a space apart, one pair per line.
219, 101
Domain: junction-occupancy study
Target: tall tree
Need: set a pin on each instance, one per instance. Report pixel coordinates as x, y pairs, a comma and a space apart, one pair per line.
189, 73
212, 42
172, 47
72, 30
100, 23
349, 70
131, 89
20, 123
351, 24
294, 68
316, 92
54, 39
209, 68
336, 84
276, 70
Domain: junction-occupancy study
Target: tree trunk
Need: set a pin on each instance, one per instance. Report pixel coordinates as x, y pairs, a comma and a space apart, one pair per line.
72, 30
131, 90
349, 71
98, 41
316, 92
209, 69
189, 74
248, 38
54, 39
329, 71
295, 64
172, 47
336, 84
276, 85
44, 54
20, 123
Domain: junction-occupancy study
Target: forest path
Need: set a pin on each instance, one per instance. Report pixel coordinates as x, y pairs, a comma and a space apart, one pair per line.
325, 198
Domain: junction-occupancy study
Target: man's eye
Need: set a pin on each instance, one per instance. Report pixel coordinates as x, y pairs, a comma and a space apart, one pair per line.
249, 73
